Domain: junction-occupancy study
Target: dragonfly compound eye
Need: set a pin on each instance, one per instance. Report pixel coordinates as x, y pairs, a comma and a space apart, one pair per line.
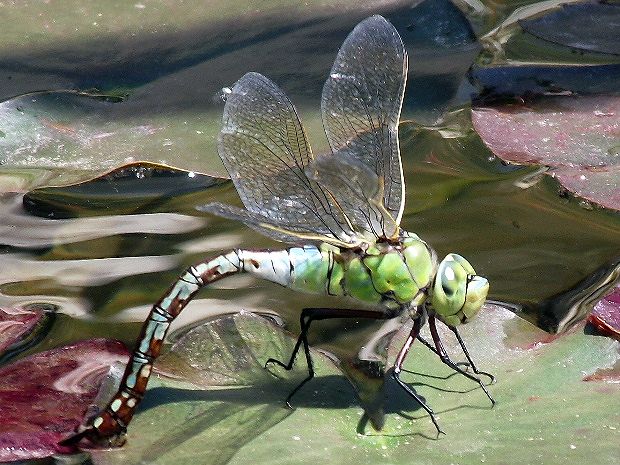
458, 293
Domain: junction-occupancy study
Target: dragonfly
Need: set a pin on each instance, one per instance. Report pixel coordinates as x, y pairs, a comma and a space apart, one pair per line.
340, 213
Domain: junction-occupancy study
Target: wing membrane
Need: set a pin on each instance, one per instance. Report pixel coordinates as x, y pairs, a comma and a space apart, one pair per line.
283, 232
265, 150
361, 105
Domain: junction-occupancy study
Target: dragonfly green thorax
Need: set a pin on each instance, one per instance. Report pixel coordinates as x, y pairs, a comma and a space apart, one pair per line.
340, 212
399, 274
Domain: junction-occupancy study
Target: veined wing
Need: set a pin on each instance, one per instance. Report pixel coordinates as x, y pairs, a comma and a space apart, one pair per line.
361, 105
264, 148
283, 232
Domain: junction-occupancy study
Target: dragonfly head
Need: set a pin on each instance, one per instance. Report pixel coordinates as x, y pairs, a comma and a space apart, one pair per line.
458, 292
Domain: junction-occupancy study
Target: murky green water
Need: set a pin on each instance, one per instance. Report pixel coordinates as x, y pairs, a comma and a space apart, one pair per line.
104, 253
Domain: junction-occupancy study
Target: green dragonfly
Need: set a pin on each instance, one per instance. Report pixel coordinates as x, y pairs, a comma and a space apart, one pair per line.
341, 213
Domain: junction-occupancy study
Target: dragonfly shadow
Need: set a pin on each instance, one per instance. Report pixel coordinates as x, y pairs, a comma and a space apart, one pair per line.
330, 392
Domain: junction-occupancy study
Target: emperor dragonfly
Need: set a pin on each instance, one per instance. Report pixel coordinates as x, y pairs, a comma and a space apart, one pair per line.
342, 210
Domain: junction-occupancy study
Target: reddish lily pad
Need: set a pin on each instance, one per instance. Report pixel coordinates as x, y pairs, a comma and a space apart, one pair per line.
17, 324
606, 315
43, 397
577, 137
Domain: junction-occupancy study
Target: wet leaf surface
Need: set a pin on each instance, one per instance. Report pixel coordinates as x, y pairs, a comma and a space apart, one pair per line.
213, 402
606, 315
43, 397
591, 26
129, 189
547, 32
578, 137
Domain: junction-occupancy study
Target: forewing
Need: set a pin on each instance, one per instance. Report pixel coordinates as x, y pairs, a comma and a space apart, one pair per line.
361, 105
263, 146
282, 232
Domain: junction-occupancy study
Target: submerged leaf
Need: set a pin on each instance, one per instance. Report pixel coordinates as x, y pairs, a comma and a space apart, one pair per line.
43, 397
578, 137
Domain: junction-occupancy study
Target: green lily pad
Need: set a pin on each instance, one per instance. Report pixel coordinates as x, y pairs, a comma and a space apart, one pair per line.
213, 402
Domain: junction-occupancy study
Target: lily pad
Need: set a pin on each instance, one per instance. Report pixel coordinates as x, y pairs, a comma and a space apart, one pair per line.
43, 397
577, 137
605, 316
213, 402
553, 32
591, 26
130, 189
93, 134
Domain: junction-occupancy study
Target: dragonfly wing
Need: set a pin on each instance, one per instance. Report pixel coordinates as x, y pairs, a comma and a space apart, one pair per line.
361, 105
358, 189
264, 148
282, 232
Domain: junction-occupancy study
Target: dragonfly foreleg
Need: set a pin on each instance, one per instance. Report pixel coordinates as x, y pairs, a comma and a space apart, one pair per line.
110, 425
308, 315
469, 360
400, 358
441, 351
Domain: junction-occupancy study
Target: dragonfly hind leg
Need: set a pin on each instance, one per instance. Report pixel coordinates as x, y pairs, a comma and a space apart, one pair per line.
308, 315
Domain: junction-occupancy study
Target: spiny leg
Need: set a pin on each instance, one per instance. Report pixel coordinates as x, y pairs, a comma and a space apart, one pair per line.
469, 359
441, 351
469, 363
110, 425
400, 358
308, 315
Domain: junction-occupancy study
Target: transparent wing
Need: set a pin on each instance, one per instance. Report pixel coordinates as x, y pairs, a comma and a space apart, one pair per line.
358, 190
283, 232
263, 146
361, 105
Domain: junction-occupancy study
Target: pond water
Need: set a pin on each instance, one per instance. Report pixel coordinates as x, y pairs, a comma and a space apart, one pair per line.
100, 253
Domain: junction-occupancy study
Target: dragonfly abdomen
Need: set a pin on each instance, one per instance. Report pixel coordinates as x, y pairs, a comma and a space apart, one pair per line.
399, 273
307, 269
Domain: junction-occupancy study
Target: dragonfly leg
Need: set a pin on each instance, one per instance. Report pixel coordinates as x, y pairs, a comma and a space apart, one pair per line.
400, 358
308, 315
441, 351
469, 359
110, 424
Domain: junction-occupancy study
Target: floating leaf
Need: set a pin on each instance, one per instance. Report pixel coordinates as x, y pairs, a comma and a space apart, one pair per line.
553, 32
129, 189
43, 397
91, 134
578, 137
214, 403
590, 25
606, 315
